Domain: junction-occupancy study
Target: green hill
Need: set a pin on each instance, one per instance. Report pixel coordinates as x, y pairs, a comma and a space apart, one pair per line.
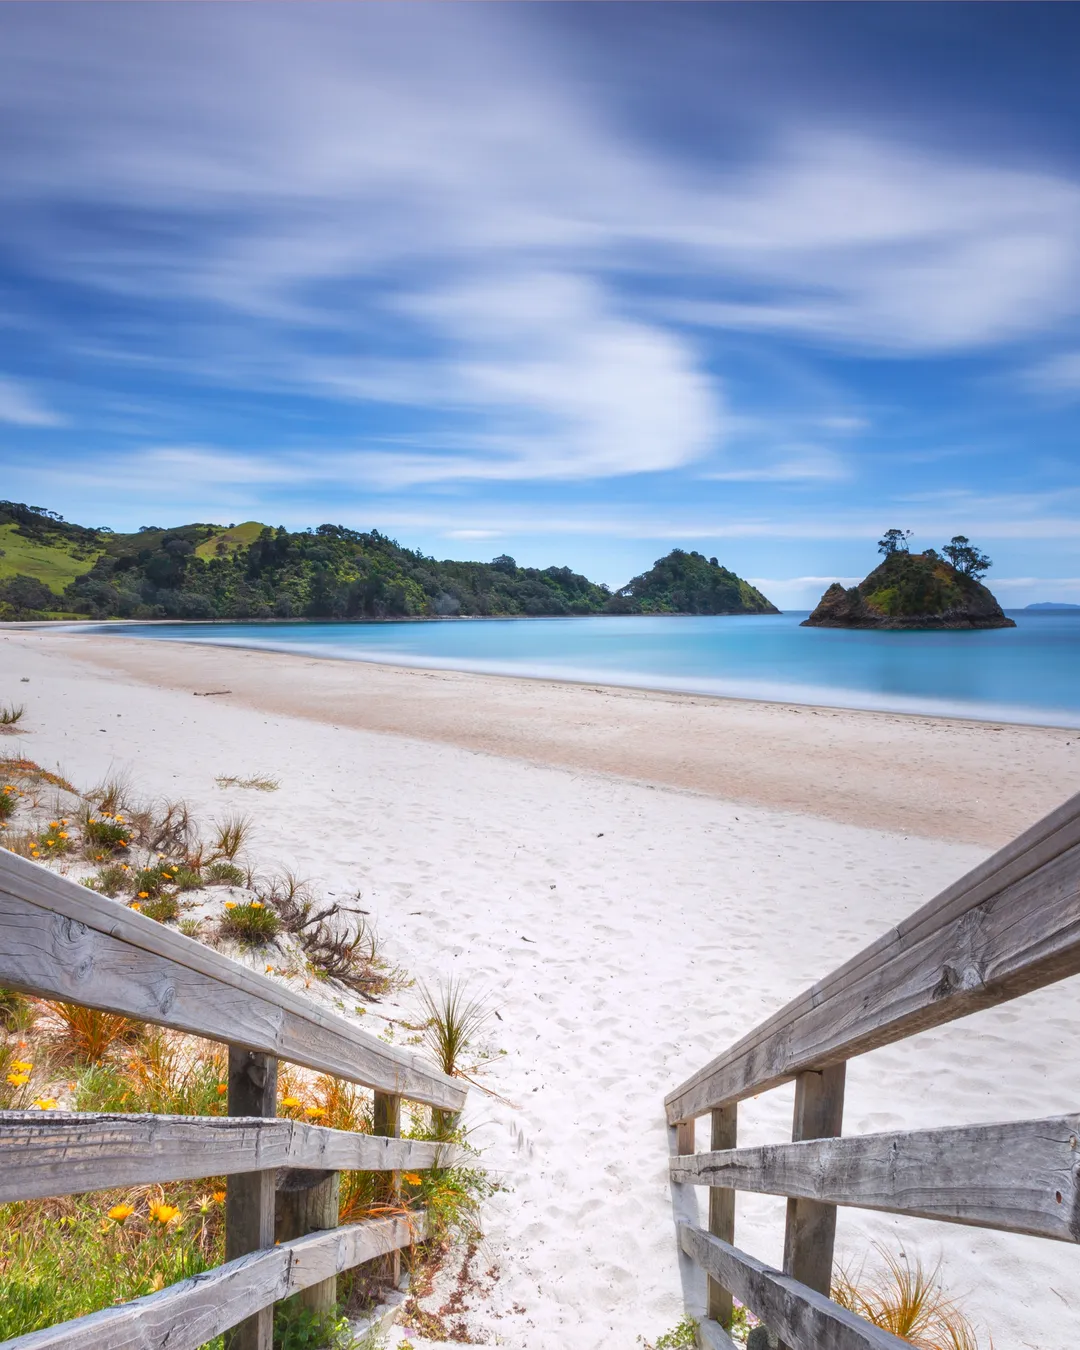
689, 583
254, 571
910, 590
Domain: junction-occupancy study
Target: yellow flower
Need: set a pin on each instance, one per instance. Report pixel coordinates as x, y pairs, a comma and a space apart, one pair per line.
269, 970
222, 1088
51, 842
412, 1178
230, 904
256, 904
135, 905
54, 824
63, 834
164, 1214
315, 1112
144, 895
121, 1212
18, 1079
291, 1101
46, 1104
219, 1197
21, 1065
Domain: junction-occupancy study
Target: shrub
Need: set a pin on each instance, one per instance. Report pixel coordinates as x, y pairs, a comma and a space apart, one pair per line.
105, 834
9, 800
165, 908
11, 713
252, 925
223, 874
114, 880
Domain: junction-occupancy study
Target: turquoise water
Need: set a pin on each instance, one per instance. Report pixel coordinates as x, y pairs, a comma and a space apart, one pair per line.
1030, 673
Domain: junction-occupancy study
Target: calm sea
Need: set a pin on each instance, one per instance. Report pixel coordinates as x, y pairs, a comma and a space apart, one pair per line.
1030, 673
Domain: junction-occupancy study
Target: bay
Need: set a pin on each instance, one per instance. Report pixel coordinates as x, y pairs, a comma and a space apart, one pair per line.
1030, 673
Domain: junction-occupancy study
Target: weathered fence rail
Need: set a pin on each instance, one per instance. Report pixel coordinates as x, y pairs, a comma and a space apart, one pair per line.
1010, 926
59, 940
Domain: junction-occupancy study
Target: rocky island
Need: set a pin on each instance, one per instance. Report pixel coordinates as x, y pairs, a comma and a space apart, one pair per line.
915, 590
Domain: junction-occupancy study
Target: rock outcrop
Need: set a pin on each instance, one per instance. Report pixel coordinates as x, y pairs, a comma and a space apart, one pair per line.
910, 590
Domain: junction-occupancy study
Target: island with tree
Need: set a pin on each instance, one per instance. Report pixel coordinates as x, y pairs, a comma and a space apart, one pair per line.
915, 590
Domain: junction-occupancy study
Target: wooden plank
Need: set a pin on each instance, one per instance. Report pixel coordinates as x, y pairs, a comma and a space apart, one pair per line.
386, 1121
187, 1315
249, 1196
810, 1230
1020, 1177
63, 941
48, 1153
724, 1135
1010, 926
684, 1209
712, 1336
799, 1315
307, 1202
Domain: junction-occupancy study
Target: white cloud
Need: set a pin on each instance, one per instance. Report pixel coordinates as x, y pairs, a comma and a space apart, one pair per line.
20, 408
1058, 374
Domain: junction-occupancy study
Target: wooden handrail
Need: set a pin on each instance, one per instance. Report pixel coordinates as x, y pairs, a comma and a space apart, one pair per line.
1019, 1177
1009, 926
49, 1153
188, 1314
63, 941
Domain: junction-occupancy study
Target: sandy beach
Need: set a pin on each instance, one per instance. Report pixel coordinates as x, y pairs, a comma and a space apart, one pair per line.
637, 879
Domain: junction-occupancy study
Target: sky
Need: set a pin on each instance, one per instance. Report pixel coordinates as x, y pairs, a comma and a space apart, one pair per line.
579, 283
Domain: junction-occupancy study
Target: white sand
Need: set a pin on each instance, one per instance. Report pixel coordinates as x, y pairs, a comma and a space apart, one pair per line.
629, 932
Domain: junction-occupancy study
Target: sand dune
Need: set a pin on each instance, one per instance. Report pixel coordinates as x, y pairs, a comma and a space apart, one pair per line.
628, 931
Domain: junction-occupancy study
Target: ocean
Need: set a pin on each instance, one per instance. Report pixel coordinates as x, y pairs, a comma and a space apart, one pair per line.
1030, 673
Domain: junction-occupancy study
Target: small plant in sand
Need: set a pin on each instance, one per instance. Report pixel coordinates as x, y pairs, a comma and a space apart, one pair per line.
9, 801
455, 1018
257, 783
905, 1299
223, 874
252, 924
105, 835
230, 835
11, 714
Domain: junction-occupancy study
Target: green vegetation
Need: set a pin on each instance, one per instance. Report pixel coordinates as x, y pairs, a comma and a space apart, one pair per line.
915, 590
253, 571
689, 583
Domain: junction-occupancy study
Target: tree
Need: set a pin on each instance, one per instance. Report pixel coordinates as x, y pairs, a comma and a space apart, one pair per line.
966, 558
894, 541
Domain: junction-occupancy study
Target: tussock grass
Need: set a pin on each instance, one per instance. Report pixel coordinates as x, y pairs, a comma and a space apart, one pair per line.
11, 714
230, 836
89, 1035
906, 1299
224, 874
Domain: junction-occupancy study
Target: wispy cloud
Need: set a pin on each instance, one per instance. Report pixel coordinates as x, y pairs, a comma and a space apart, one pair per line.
20, 407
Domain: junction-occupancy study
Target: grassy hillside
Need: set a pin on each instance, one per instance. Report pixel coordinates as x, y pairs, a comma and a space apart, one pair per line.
51, 561
230, 541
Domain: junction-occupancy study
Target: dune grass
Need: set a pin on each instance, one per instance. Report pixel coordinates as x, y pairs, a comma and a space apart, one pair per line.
903, 1297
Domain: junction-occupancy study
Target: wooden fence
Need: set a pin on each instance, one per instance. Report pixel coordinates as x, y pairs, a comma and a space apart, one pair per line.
1010, 926
59, 940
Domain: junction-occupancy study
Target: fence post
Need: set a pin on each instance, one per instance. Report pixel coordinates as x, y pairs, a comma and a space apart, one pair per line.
308, 1202
811, 1224
722, 1211
387, 1121
249, 1197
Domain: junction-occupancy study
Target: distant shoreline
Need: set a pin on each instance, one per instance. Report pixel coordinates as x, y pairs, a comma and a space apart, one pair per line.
946, 778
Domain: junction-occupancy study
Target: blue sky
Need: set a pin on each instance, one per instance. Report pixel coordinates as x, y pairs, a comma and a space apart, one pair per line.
578, 283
